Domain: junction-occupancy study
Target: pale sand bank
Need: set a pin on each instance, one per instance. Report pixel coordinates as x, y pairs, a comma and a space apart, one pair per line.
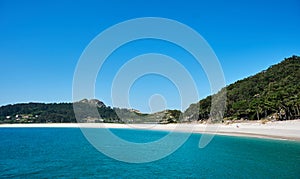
289, 130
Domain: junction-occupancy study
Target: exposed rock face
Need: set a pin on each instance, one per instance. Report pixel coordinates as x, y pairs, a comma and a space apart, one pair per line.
84, 101
96, 102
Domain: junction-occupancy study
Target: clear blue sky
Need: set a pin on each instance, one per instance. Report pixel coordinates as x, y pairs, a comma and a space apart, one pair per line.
41, 42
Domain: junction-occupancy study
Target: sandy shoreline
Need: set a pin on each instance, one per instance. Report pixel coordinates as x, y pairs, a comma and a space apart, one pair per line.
285, 130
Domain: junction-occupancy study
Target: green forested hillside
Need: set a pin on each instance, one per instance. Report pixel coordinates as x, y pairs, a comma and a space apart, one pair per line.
64, 113
56, 112
272, 93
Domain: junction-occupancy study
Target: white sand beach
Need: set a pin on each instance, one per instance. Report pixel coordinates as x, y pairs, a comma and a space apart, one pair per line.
285, 130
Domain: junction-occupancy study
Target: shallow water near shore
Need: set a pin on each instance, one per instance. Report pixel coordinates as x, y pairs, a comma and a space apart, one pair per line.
64, 152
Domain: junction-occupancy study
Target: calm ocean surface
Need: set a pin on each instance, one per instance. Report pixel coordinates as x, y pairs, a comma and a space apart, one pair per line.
64, 152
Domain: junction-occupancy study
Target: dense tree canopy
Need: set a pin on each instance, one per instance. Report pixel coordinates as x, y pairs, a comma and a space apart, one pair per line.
64, 113
55, 112
272, 93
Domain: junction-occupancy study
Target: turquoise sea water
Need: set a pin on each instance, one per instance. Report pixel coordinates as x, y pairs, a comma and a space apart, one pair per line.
64, 152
